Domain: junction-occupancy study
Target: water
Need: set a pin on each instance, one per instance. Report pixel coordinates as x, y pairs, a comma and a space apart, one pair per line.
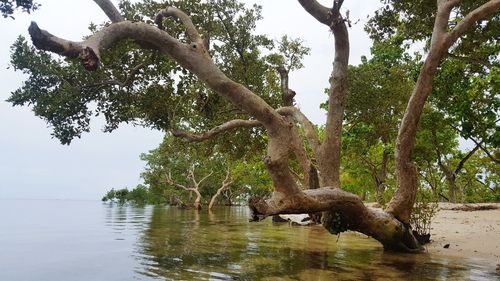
86, 240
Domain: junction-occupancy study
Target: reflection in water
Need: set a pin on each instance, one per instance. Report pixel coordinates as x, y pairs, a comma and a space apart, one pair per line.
175, 244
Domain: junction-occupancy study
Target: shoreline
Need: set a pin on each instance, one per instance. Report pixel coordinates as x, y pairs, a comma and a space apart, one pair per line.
470, 234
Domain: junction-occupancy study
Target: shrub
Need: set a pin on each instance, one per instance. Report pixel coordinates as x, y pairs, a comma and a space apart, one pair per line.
424, 211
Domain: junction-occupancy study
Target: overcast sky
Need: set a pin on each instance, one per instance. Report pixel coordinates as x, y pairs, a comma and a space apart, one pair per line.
35, 166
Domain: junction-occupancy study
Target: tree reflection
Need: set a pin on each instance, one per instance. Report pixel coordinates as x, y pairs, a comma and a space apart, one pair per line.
187, 245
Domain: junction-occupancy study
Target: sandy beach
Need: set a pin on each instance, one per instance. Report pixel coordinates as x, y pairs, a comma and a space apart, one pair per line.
470, 234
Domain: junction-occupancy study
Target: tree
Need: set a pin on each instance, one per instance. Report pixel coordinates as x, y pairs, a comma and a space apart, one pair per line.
225, 185
453, 33
341, 210
193, 186
7, 7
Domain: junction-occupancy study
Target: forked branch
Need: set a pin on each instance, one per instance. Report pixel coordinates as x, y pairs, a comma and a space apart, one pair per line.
225, 184
442, 39
175, 13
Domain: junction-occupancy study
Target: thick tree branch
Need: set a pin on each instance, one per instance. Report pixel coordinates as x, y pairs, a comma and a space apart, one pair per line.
309, 128
287, 95
192, 57
404, 197
296, 142
225, 184
340, 207
328, 155
480, 13
110, 10
329, 160
318, 11
191, 30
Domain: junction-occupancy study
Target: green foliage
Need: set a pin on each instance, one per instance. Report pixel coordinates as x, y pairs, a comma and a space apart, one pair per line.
7, 7
466, 86
121, 195
480, 179
469, 99
67, 96
110, 195
173, 157
378, 92
290, 54
139, 195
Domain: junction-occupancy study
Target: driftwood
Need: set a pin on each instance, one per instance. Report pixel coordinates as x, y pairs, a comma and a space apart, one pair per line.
470, 208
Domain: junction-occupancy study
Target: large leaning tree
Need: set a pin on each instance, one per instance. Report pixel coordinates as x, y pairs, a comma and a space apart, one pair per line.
191, 51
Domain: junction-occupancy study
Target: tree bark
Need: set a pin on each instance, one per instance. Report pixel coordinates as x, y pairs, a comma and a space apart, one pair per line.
225, 184
328, 156
402, 202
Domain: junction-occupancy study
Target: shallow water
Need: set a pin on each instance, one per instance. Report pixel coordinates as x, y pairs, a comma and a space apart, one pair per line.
86, 240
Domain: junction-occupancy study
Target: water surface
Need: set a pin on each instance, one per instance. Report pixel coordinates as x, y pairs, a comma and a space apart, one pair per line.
86, 240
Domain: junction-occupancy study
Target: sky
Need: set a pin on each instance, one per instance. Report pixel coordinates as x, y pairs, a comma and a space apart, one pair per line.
33, 165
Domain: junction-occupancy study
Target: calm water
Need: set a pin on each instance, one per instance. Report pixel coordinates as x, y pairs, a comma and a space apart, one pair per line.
85, 240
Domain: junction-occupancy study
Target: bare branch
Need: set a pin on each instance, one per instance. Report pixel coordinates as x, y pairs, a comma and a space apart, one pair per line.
110, 10
225, 184
89, 50
128, 81
462, 162
193, 178
295, 174
192, 57
482, 12
169, 180
196, 59
233, 124
205, 177
191, 30
287, 94
318, 11
309, 128
480, 144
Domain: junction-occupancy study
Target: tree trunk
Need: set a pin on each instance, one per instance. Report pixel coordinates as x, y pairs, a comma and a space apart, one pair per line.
454, 192
443, 37
341, 211
225, 184
197, 201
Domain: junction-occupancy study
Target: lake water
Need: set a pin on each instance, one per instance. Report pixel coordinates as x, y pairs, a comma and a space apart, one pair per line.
87, 240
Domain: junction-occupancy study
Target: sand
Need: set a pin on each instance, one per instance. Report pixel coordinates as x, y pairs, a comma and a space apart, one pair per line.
470, 234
